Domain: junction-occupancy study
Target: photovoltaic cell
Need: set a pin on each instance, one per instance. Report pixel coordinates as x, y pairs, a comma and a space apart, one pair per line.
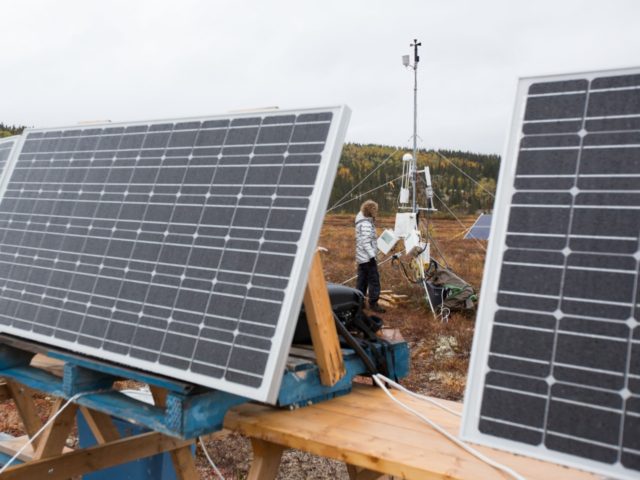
180, 247
556, 364
481, 229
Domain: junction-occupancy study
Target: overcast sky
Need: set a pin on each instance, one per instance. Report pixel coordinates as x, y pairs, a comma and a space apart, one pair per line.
68, 61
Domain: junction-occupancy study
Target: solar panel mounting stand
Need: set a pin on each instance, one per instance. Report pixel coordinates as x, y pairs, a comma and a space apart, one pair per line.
322, 327
180, 413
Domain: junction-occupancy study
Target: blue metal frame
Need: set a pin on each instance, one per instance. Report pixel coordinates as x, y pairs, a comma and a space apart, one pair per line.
190, 410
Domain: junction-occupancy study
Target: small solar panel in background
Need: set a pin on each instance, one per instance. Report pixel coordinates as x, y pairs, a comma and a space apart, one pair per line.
555, 370
180, 247
481, 229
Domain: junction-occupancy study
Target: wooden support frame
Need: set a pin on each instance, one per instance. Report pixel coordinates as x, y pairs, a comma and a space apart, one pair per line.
52, 460
266, 460
322, 327
54, 437
95, 458
23, 398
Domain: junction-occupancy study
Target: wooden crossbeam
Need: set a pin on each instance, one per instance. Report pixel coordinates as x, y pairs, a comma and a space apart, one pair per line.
101, 425
54, 437
23, 398
4, 391
357, 473
266, 460
95, 458
324, 335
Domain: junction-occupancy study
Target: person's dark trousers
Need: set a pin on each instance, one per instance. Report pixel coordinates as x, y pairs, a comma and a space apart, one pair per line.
369, 279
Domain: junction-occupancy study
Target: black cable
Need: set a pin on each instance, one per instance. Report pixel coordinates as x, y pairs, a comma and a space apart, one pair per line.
404, 271
353, 343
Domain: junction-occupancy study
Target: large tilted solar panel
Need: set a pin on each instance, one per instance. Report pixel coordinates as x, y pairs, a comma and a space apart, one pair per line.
481, 228
555, 370
179, 247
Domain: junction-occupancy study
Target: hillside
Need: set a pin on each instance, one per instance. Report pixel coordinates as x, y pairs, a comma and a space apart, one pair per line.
458, 191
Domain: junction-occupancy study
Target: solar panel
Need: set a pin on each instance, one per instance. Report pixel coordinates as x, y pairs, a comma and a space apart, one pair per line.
180, 247
481, 229
555, 368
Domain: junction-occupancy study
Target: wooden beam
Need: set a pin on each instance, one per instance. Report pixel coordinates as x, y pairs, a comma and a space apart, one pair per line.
23, 398
365, 429
54, 437
95, 458
4, 391
266, 460
183, 462
357, 473
10, 446
322, 326
101, 425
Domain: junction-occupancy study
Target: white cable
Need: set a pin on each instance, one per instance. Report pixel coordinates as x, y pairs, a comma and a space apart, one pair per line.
417, 395
442, 431
211, 462
44, 427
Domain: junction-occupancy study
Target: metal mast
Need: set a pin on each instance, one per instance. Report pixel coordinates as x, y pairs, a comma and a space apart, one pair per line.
414, 170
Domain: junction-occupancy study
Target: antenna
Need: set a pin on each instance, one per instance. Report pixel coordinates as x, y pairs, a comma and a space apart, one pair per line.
414, 173
414, 243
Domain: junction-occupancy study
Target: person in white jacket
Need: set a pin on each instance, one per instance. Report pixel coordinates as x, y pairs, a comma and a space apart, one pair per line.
366, 251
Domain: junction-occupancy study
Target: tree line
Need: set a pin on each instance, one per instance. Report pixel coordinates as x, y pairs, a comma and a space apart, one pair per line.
464, 181
8, 130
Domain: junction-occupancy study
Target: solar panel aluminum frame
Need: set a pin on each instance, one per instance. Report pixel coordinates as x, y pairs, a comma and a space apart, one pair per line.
478, 366
18, 140
293, 294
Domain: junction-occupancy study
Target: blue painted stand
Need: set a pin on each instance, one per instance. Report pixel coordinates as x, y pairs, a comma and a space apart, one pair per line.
301, 384
190, 410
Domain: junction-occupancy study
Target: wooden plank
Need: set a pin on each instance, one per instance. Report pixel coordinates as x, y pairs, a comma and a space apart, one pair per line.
12, 445
303, 353
182, 458
101, 425
4, 391
339, 439
357, 473
159, 396
23, 398
266, 460
322, 326
367, 430
95, 458
184, 464
53, 438
51, 365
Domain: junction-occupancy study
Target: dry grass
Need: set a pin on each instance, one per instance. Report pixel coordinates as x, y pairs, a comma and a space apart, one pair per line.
432, 371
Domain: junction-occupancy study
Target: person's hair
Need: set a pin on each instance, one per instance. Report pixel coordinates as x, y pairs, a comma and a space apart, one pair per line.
369, 208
